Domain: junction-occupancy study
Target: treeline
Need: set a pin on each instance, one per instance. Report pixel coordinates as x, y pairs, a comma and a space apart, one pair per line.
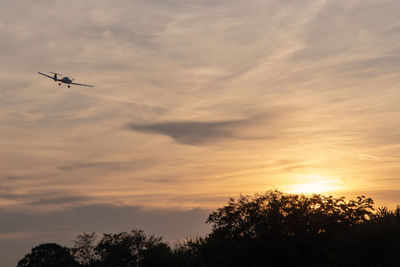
270, 229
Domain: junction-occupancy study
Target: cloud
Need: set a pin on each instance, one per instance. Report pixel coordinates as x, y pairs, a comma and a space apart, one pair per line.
60, 201
43, 199
323, 73
111, 166
194, 133
376, 158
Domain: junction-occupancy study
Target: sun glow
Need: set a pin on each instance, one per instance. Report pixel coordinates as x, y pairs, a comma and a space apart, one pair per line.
315, 184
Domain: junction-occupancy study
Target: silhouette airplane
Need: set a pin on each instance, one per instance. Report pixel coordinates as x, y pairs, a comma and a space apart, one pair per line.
63, 80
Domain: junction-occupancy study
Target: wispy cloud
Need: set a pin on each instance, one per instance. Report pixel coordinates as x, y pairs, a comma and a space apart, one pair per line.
111, 166
195, 133
259, 92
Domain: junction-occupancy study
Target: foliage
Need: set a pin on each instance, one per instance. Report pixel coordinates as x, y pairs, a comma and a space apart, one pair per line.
290, 229
48, 255
122, 249
84, 249
278, 215
270, 229
126, 249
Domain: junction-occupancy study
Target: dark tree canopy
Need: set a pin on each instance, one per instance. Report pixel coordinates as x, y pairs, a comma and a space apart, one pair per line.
280, 215
84, 249
124, 249
48, 255
278, 229
269, 229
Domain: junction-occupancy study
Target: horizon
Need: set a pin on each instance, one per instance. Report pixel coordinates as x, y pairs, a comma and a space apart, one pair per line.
194, 102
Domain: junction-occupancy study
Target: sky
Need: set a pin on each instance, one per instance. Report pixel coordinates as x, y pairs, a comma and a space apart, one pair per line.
194, 102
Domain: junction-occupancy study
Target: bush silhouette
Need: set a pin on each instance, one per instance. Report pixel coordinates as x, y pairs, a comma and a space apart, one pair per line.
269, 229
48, 255
278, 229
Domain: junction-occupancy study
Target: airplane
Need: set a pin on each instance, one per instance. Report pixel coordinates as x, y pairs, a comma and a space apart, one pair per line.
65, 79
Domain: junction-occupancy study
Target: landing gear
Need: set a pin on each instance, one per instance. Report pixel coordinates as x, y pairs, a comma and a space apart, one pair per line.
59, 84
69, 86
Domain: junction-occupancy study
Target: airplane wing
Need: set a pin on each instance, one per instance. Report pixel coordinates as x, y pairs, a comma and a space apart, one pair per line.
81, 84
46, 75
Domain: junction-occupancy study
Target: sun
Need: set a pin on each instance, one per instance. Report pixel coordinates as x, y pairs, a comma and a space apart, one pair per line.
315, 184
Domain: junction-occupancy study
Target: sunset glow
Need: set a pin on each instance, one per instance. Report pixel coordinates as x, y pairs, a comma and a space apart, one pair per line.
319, 186
194, 102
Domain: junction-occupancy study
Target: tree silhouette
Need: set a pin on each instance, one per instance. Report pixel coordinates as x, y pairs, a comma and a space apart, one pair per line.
286, 229
123, 249
269, 229
84, 249
287, 215
158, 254
48, 255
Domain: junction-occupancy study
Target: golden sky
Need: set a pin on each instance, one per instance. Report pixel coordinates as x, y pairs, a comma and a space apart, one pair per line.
194, 102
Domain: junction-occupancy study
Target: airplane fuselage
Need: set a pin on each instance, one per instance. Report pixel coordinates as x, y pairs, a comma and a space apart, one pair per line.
65, 80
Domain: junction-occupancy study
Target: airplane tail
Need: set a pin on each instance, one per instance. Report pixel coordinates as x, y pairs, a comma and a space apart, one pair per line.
55, 75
